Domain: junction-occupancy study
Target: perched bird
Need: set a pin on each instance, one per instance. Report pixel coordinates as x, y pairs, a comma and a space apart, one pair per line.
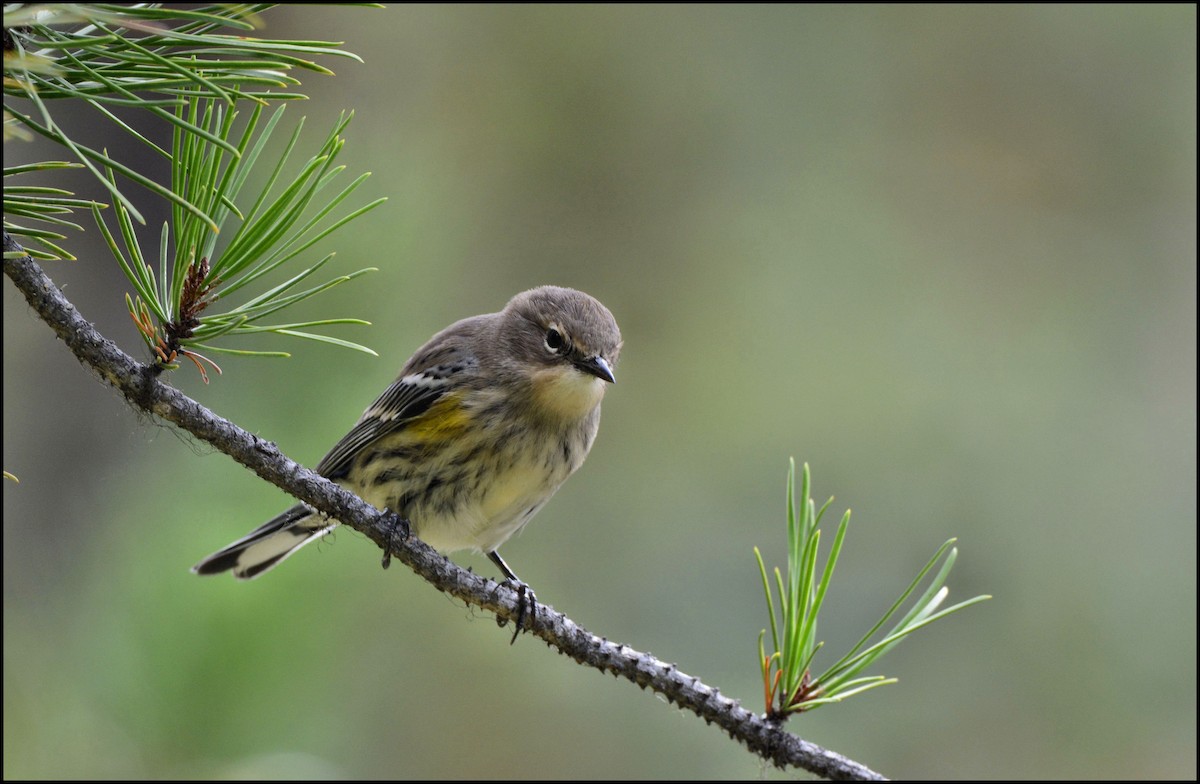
482, 426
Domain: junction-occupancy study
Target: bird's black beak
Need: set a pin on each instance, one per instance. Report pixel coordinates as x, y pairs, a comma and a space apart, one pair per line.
597, 366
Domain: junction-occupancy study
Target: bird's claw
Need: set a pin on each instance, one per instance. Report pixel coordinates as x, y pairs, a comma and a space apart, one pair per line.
395, 524
526, 608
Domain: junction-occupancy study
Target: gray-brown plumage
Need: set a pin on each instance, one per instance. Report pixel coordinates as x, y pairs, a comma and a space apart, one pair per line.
482, 426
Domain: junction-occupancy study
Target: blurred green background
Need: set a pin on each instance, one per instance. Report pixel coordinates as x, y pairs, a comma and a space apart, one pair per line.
946, 255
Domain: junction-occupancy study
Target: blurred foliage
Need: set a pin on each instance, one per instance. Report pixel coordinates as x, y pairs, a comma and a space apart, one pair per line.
974, 225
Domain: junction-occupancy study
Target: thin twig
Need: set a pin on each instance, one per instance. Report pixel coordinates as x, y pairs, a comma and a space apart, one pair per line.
144, 391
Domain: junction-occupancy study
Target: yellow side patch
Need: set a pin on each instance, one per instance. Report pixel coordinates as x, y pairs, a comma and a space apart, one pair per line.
445, 419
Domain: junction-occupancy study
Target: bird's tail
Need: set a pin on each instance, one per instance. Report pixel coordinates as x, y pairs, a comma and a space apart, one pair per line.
267, 545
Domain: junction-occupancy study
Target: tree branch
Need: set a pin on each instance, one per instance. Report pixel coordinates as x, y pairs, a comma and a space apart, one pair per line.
143, 391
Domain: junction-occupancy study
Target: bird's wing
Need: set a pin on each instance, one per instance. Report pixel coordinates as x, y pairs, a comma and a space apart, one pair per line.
403, 401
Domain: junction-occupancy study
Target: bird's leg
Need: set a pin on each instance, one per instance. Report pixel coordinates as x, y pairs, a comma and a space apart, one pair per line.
526, 597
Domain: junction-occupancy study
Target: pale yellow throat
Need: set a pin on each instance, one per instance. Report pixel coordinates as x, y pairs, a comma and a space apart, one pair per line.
566, 392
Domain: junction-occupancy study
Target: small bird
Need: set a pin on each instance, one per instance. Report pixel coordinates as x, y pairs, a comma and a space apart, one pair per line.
482, 426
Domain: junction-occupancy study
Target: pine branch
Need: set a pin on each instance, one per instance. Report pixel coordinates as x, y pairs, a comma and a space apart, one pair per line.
144, 391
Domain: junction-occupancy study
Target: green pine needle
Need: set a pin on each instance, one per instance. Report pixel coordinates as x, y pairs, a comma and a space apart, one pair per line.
192, 70
788, 683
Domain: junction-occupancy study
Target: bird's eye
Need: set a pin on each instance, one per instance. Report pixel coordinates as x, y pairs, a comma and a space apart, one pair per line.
555, 341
